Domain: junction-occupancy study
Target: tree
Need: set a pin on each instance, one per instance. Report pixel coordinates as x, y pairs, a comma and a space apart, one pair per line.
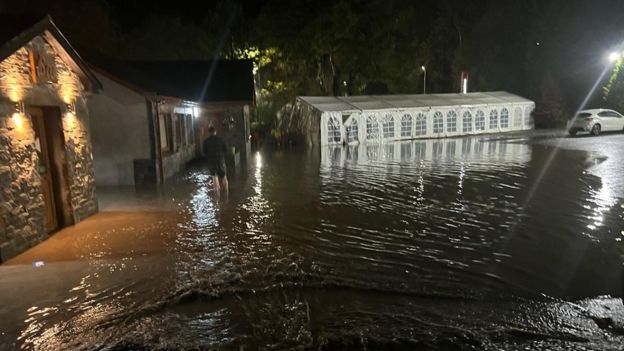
613, 92
551, 110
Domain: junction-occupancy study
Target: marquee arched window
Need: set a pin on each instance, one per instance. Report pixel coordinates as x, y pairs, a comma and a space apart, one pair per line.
527, 116
406, 125
421, 124
372, 128
467, 122
451, 122
480, 121
493, 119
504, 118
333, 130
388, 127
438, 122
352, 130
517, 119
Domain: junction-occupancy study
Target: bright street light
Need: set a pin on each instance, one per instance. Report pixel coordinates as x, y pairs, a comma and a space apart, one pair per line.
614, 56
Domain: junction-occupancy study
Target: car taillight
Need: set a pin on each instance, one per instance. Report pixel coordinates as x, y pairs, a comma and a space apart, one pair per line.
588, 119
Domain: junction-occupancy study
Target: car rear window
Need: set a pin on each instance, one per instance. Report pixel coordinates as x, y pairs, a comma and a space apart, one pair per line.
583, 115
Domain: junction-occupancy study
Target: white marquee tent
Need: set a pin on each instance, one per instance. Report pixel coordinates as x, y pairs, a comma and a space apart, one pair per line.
364, 119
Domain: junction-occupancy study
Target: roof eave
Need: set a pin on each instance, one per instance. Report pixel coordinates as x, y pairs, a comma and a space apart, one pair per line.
47, 28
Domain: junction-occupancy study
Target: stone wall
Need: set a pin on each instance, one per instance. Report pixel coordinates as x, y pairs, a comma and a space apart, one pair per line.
22, 222
21, 200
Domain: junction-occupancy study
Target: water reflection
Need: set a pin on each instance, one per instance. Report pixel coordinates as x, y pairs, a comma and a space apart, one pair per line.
371, 246
442, 151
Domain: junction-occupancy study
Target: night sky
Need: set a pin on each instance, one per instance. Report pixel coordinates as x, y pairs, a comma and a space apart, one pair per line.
371, 43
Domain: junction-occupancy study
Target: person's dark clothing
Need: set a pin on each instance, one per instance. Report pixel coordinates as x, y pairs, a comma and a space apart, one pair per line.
214, 150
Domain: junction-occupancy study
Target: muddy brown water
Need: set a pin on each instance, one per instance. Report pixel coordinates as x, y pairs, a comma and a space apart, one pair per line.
457, 244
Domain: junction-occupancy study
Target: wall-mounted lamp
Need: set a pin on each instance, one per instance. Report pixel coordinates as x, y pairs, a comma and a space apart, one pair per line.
19, 108
71, 108
17, 115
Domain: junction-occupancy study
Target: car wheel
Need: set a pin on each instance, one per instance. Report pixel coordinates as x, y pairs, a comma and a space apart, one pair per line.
572, 132
596, 130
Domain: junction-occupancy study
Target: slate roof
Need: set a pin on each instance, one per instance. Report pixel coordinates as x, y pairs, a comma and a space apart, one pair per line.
197, 81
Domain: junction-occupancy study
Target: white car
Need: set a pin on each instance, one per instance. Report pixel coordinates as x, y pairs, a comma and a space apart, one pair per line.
596, 121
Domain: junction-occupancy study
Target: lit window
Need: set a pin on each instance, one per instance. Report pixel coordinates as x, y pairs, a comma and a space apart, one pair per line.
352, 131
493, 119
421, 124
467, 122
504, 118
517, 117
438, 122
406, 125
333, 130
480, 121
527, 116
388, 127
372, 128
451, 122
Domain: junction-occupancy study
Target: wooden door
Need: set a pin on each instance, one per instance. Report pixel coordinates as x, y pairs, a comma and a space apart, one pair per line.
45, 169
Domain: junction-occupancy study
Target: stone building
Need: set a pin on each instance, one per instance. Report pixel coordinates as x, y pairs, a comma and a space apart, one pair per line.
151, 116
46, 163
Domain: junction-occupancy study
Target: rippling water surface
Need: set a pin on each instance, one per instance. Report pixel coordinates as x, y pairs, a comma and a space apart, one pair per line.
440, 244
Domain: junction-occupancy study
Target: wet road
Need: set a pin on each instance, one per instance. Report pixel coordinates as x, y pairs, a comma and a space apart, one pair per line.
470, 243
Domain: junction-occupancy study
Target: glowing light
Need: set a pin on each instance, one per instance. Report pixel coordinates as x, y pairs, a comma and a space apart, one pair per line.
423, 68
18, 120
614, 56
71, 108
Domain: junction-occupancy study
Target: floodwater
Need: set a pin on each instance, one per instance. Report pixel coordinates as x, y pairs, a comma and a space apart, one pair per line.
458, 244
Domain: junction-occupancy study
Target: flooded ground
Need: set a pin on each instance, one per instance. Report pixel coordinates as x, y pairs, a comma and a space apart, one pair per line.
458, 244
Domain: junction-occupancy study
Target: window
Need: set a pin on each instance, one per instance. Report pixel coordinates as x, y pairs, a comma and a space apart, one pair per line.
493, 119
372, 128
438, 122
165, 129
527, 116
189, 129
406, 125
480, 121
352, 130
517, 119
388, 127
467, 122
421, 124
504, 118
333, 130
611, 114
180, 130
451, 122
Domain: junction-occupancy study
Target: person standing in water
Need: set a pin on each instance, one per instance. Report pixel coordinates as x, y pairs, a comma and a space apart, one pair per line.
214, 149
